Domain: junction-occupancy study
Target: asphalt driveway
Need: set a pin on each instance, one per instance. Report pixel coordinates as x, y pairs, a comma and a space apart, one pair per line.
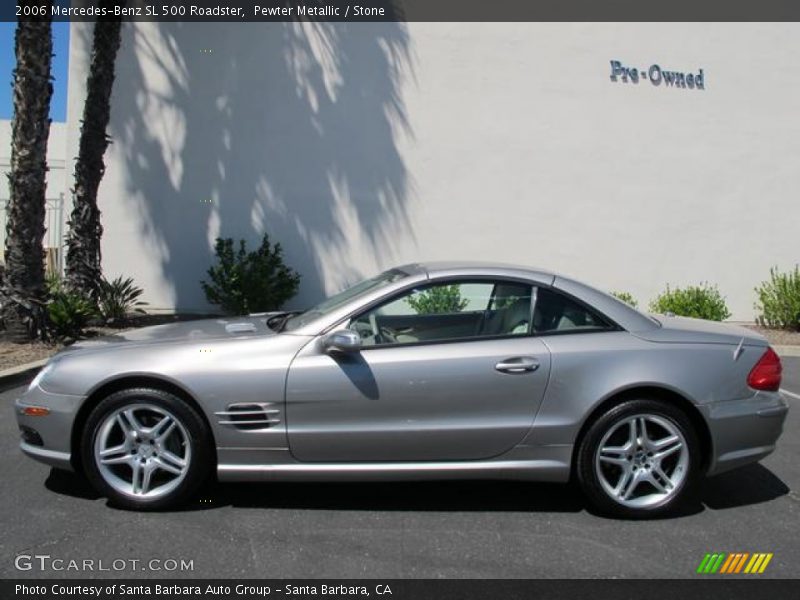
463, 529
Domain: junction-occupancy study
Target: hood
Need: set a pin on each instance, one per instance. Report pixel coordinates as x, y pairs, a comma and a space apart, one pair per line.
686, 330
202, 329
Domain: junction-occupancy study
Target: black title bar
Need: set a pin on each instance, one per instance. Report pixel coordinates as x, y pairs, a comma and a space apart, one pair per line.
406, 10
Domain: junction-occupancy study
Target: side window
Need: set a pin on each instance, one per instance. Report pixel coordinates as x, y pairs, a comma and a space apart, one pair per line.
448, 311
556, 313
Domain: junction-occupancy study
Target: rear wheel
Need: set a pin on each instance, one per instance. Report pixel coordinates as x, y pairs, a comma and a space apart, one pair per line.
146, 449
640, 459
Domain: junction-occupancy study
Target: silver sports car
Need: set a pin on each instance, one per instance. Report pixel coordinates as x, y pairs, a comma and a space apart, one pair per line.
427, 371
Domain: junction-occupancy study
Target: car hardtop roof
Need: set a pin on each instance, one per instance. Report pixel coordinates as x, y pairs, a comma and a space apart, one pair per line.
461, 268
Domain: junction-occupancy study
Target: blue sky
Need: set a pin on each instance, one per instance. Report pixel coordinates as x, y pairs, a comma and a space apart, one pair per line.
60, 68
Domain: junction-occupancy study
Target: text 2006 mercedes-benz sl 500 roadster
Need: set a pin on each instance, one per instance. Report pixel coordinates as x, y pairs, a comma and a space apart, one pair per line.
427, 371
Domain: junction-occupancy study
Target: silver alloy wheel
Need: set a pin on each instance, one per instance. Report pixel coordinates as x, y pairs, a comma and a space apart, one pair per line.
642, 461
142, 450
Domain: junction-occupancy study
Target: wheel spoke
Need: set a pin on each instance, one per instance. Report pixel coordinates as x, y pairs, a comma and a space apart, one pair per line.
172, 459
147, 472
628, 483
116, 455
163, 428
129, 422
642, 438
162, 437
666, 446
615, 455
632, 435
165, 466
124, 424
136, 477
664, 480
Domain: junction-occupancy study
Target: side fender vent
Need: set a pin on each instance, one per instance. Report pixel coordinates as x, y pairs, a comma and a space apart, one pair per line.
251, 416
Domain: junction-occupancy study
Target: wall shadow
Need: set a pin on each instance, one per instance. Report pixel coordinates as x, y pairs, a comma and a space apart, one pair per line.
288, 128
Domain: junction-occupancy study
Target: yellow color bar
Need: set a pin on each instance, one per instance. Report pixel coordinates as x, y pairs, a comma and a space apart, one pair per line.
751, 563
764, 564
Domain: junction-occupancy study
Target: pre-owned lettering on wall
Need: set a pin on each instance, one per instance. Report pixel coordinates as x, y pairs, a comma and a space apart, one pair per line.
658, 76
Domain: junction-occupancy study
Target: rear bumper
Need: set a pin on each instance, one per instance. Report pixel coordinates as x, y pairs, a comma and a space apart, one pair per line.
53, 444
744, 431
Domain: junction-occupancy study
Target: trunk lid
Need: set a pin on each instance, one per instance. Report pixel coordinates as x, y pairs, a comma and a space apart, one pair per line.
685, 330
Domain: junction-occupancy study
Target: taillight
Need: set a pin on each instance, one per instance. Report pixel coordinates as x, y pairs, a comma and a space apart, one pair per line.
766, 375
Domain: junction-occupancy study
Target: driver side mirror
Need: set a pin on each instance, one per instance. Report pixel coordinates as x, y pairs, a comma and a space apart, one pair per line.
342, 340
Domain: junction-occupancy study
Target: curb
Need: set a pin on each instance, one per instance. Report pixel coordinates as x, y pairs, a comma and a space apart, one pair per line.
14, 376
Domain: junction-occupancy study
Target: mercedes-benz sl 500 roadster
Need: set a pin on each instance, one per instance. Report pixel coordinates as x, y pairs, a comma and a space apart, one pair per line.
426, 371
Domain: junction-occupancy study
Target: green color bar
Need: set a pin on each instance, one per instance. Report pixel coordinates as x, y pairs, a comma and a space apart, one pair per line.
703, 563
711, 562
718, 564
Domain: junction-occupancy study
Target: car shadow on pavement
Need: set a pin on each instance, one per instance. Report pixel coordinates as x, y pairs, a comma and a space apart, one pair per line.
749, 485
752, 484
456, 496
70, 484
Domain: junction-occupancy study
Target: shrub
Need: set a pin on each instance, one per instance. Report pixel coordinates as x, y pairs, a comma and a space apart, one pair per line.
437, 300
626, 297
53, 284
118, 299
701, 302
243, 282
69, 313
779, 300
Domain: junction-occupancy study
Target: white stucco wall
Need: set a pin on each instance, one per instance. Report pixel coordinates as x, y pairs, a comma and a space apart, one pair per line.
359, 147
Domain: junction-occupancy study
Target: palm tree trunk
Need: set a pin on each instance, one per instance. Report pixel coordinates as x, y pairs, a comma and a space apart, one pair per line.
85, 230
22, 291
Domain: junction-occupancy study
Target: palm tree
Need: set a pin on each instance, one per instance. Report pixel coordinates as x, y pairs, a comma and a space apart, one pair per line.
22, 291
85, 230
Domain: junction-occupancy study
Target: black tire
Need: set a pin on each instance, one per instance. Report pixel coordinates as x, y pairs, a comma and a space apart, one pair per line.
192, 431
587, 468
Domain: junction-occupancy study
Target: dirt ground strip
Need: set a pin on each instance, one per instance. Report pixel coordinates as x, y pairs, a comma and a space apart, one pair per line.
778, 337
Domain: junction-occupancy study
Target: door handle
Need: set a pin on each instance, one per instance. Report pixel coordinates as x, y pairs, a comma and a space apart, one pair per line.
519, 364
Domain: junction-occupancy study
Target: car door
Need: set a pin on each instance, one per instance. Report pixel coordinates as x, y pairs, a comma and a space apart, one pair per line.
462, 382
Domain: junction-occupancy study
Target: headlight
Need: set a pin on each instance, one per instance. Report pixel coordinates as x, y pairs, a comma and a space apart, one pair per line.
41, 375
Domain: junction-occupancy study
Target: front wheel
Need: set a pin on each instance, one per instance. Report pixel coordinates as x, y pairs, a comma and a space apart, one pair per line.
640, 459
145, 449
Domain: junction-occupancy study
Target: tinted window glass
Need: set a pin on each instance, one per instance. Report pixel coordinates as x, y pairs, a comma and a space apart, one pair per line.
556, 313
448, 311
342, 298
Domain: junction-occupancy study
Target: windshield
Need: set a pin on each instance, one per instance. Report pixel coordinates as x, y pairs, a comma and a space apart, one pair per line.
327, 306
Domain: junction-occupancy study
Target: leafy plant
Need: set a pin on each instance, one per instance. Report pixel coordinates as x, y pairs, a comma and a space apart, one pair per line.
437, 300
53, 284
69, 313
626, 297
117, 299
243, 282
701, 302
779, 300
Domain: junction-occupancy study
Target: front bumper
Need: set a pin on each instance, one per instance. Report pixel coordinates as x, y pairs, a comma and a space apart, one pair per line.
54, 430
744, 431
